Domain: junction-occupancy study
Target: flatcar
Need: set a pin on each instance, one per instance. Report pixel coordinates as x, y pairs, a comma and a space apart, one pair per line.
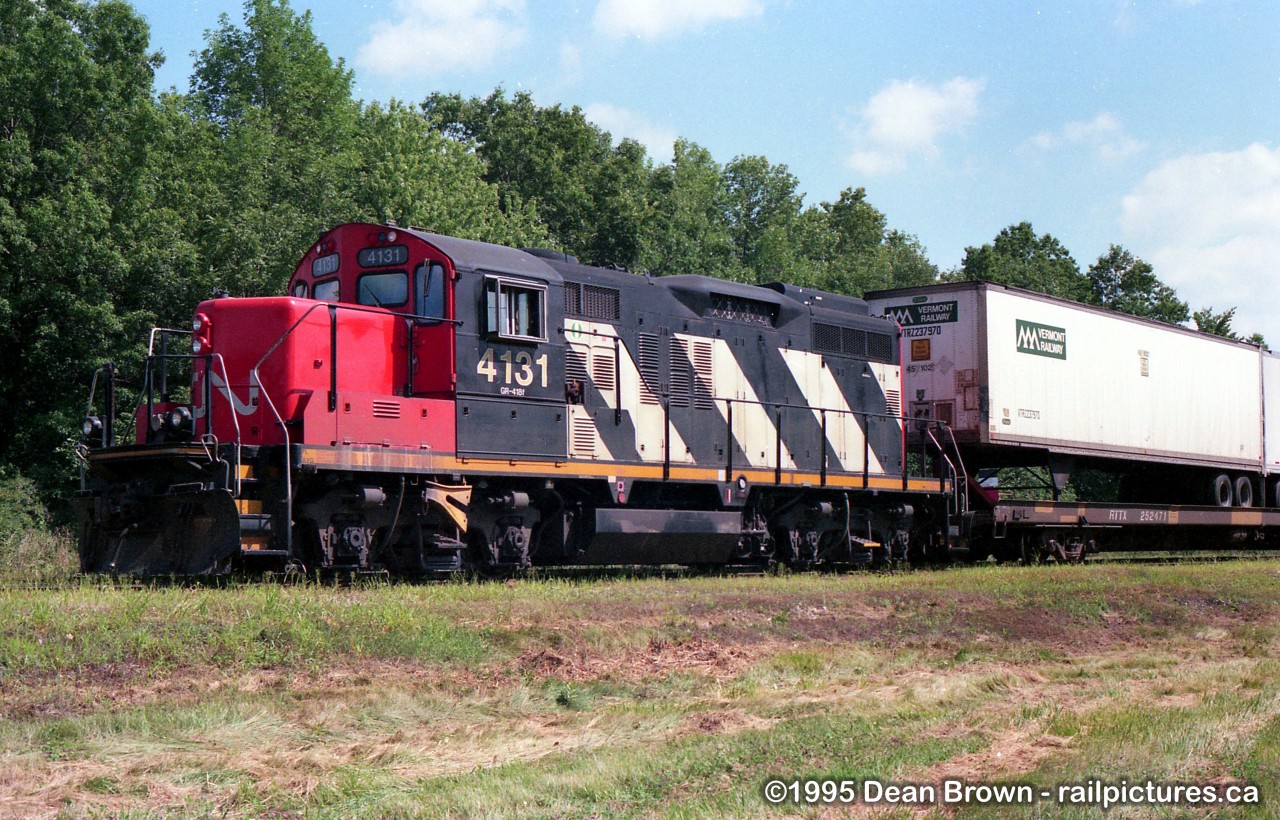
419, 403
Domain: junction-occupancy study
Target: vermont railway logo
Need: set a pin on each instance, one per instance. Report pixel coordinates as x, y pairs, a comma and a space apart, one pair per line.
1042, 340
934, 313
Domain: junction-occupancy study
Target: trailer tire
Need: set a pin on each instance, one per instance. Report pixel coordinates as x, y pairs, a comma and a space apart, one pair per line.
1222, 493
1244, 491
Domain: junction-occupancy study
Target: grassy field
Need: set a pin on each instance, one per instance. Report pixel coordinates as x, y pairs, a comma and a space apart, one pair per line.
646, 696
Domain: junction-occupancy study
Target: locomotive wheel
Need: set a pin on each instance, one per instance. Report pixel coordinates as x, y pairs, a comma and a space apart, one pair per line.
1244, 491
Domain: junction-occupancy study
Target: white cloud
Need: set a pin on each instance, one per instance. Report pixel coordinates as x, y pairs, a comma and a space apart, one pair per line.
570, 64
441, 36
905, 120
1103, 135
653, 19
621, 122
1210, 224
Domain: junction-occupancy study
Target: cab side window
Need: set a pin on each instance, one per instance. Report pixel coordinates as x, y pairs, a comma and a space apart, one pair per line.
516, 309
429, 285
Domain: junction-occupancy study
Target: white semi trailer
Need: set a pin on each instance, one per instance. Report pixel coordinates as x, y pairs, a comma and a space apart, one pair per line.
1189, 420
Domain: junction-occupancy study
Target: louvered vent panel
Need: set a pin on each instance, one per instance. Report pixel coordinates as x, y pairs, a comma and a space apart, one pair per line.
604, 371
386, 409
680, 381
892, 403
704, 387
648, 362
575, 365
583, 436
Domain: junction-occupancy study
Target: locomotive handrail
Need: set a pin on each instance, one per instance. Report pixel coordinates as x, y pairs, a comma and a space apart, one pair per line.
266, 395
255, 380
208, 359
109, 411
777, 407
959, 475
151, 342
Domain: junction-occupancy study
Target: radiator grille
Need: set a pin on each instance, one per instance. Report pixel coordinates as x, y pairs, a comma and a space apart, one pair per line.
601, 303
738, 309
879, 347
848, 341
592, 301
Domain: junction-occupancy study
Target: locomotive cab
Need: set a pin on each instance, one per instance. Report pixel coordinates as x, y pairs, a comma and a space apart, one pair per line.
384, 267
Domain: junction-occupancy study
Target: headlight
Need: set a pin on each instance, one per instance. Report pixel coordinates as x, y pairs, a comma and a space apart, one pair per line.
202, 331
92, 429
179, 420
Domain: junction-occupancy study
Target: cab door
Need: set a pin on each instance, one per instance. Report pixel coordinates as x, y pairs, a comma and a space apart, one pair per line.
432, 329
511, 399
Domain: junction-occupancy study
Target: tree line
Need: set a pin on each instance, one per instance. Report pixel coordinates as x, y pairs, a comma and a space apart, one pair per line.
122, 207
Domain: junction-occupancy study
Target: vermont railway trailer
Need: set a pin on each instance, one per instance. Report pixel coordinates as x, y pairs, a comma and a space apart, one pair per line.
420, 404
1176, 433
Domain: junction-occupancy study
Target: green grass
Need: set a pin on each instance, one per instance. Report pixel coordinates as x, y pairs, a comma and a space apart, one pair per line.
641, 697
37, 557
244, 627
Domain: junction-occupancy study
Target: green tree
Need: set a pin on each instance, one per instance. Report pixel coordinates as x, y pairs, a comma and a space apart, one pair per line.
410, 172
846, 247
858, 226
75, 163
762, 209
1121, 281
1020, 258
285, 159
1217, 323
688, 231
591, 195
1207, 320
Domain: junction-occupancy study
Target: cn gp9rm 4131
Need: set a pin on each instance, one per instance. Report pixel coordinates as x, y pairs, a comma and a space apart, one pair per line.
420, 403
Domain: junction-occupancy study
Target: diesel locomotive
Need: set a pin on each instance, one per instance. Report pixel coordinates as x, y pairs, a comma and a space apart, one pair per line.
419, 403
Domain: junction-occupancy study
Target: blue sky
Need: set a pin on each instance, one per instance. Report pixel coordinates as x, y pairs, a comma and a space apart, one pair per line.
1154, 124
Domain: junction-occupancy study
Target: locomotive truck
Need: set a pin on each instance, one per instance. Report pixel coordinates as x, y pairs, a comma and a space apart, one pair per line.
420, 403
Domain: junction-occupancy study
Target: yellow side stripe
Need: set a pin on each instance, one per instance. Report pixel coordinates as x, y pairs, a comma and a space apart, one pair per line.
344, 458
